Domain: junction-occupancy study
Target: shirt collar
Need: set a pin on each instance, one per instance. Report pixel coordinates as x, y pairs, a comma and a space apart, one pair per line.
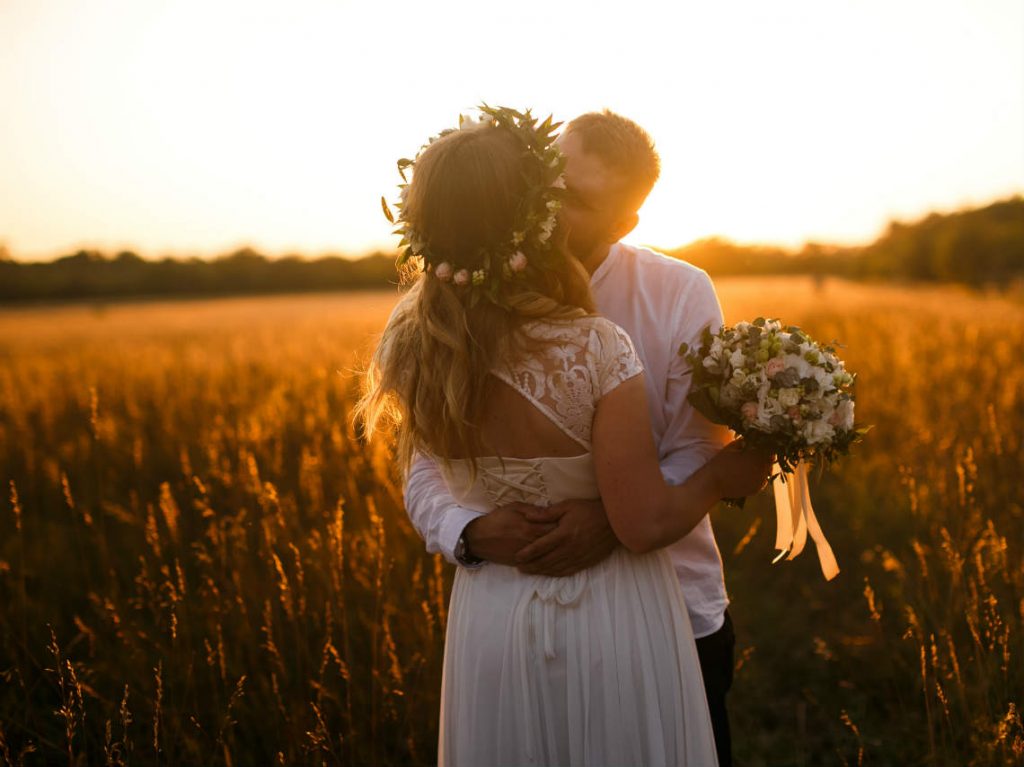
606, 266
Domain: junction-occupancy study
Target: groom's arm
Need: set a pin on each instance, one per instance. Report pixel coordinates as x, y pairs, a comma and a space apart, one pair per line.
690, 440
433, 511
496, 536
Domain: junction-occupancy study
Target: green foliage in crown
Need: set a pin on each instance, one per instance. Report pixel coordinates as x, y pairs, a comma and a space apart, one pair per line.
528, 245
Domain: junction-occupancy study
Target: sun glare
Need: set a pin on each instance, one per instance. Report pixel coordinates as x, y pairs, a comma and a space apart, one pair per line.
194, 127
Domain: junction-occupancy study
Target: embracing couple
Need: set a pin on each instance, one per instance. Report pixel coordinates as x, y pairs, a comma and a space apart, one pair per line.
532, 380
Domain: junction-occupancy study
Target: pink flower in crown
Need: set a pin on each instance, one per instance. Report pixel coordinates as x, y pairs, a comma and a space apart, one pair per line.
443, 271
749, 411
462, 277
774, 366
518, 261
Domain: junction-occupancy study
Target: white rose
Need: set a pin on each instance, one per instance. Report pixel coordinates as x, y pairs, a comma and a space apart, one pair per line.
817, 431
824, 379
803, 367
847, 411
738, 359
843, 415
789, 397
772, 406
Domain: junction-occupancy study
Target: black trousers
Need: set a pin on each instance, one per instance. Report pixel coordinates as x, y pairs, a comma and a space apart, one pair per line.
716, 664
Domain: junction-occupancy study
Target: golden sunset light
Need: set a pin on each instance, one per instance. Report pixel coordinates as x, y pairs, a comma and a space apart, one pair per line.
196, 127
670, 413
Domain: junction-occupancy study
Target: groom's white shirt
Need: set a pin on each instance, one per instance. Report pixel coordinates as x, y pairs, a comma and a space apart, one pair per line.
660, 302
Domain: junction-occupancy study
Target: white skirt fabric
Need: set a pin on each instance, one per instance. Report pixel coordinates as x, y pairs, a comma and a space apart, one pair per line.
598, 668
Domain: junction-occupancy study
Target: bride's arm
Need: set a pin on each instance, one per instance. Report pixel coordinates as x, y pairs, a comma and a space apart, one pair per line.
644, 511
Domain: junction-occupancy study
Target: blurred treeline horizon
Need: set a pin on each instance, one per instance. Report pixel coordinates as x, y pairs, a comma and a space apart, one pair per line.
979, 247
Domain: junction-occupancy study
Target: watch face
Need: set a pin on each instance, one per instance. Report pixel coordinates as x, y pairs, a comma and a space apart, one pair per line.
461, 554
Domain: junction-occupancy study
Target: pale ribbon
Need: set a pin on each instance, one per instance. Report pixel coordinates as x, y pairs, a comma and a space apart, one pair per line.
796, 519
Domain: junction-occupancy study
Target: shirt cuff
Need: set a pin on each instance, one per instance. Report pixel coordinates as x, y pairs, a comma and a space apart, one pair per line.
455, 522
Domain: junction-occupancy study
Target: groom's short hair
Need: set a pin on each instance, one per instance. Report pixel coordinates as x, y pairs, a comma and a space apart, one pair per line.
622, 145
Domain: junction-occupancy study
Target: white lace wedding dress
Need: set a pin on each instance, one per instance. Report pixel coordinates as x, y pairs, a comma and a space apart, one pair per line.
598, 668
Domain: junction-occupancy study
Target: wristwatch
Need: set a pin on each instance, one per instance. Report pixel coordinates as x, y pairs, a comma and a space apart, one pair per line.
462, 555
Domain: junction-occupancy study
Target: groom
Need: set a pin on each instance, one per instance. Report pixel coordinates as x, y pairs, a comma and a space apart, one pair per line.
661, 303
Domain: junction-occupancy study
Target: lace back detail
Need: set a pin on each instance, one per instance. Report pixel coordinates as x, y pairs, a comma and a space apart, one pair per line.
521, 482
580, 363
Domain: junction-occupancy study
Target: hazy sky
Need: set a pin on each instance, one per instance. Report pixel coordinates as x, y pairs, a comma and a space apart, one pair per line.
197, 126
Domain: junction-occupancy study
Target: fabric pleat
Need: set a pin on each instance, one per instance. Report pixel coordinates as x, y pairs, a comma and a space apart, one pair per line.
599, 668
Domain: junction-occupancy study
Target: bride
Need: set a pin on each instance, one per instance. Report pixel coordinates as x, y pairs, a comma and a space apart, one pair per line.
495, 364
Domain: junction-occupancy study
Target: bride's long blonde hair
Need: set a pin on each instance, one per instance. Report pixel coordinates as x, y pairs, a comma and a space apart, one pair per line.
428, 379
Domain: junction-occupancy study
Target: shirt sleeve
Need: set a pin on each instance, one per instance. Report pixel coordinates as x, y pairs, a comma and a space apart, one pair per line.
433, 511
690, 439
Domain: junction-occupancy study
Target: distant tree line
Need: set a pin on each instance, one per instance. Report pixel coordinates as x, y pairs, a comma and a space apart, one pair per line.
982, 246
90, 274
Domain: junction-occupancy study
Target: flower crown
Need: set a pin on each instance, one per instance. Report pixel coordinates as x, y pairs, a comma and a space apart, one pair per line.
529, 242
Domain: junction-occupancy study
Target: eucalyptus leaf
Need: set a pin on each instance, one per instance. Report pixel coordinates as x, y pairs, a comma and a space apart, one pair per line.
787, 378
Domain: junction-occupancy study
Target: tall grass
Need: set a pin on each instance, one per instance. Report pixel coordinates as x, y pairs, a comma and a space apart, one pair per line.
200, 563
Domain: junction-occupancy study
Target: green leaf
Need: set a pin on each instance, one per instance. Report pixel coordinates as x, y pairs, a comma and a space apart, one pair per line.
387, 211
701, 400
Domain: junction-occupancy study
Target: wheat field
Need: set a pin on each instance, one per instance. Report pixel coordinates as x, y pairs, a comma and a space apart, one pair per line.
200, 563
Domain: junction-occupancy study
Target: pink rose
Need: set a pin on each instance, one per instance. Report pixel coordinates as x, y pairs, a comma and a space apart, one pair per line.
443, 271
749, 411
462, 277
774, 366
518, 261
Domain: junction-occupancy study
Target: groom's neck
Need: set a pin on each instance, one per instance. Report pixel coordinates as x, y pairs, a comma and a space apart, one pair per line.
593, 260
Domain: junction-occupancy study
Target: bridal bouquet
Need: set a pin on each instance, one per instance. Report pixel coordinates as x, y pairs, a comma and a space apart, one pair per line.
783, 392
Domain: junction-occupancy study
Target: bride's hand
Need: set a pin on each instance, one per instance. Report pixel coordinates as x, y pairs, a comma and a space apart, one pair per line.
741, 470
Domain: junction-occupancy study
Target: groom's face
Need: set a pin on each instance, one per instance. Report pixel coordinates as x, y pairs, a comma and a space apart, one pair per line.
597, 210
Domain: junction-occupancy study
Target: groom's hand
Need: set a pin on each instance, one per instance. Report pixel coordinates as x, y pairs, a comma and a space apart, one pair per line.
501, 534
581, 539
